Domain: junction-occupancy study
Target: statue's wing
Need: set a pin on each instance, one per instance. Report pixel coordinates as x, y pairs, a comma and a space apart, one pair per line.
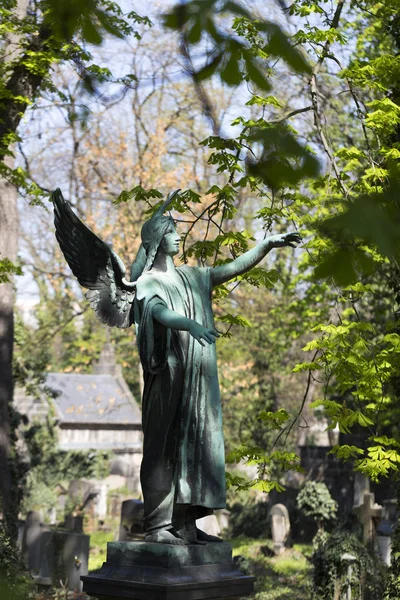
95, 266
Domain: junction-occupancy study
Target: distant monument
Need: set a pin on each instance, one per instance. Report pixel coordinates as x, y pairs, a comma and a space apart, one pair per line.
183, 467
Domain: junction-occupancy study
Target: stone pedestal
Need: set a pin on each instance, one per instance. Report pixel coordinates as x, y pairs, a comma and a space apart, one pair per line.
146, 571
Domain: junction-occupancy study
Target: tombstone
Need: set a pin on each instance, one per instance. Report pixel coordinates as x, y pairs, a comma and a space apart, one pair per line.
81, 492
100, 502
223, 518
52, 515
280, 527
347, 561
385, 531
31, 536
361, 487
115, 505
63, 557
209, 524
74, 523
368, 513
131, 526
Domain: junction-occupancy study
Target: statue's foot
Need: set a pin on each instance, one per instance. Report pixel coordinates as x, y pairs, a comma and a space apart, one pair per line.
204, 537
188, 533
164, 536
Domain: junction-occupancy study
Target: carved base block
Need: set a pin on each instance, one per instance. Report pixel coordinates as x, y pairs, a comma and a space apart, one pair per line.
146, 571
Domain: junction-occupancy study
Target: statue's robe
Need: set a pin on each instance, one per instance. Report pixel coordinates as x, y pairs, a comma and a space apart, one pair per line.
183, 467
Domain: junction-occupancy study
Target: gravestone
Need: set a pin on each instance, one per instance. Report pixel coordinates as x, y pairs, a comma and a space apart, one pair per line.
115, 505
100, 502
63, 557
223, 516
74, 523
131, 525
280, 526
385, 530
209, 525
368, 513
31, 538
361, 487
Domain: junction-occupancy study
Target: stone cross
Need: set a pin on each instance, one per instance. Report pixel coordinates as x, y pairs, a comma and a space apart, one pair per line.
361, 487
366, 513
280, 526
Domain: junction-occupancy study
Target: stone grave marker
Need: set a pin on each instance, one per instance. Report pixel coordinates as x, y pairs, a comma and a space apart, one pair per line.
223, 518
209, 525
361, 487
385, 530
280, 526
131, 525
64, 557
368, 513
100, 502
115, 505
31, 537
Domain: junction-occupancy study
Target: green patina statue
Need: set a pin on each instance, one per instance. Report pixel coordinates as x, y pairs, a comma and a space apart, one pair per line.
183, 467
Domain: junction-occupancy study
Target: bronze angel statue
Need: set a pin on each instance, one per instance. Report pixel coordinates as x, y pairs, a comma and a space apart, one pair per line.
183, 468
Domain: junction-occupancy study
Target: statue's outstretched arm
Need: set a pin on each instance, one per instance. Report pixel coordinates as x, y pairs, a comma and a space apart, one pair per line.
174, 320
252, 257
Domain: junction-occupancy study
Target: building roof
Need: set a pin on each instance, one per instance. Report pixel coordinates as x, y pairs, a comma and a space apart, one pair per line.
89, 399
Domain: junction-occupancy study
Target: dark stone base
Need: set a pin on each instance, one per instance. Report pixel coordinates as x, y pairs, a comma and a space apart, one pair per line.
146, 571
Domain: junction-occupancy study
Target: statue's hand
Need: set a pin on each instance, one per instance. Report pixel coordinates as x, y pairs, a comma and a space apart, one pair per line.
200, 333
285, 239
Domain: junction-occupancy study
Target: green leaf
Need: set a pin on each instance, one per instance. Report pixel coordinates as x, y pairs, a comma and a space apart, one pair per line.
306, 366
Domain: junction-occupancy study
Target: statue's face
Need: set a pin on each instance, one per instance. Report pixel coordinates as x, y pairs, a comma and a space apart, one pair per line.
171, 241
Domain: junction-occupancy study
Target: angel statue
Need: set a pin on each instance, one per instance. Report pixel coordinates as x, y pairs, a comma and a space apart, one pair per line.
183, 468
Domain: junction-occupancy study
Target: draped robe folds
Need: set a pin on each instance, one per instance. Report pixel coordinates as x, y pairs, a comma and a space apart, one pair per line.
183, 467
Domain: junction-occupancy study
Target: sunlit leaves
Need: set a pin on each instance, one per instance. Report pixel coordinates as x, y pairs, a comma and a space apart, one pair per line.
346, 452
8, 268
234, 320
274, 419
138, 193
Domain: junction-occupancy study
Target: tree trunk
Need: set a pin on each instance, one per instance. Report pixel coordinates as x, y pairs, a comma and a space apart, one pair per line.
8, 249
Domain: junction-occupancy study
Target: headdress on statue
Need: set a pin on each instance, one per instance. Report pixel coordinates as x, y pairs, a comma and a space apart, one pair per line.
152, 234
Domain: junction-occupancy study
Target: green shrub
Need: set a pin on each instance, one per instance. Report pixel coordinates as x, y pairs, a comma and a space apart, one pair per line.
315, 501
330, 571
15, 582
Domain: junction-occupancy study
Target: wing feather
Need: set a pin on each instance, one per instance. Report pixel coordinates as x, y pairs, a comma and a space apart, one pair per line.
95, 266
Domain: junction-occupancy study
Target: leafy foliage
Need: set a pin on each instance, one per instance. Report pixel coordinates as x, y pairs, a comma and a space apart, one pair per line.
329, 567
15, 581
315, 501
248, 519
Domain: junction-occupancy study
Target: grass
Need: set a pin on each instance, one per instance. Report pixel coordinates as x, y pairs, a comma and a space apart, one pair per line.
284, 577
98, 548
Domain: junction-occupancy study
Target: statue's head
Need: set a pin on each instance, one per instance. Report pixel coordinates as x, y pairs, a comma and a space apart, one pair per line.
153, 231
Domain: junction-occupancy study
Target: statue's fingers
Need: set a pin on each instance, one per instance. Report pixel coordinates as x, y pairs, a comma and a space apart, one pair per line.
200, 342
214, 332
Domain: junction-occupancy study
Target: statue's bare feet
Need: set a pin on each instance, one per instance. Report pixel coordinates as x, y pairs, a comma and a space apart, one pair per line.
202, 536
163, 536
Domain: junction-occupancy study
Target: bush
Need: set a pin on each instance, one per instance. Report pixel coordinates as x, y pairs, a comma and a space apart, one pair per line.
250, 520
315, 501
15, 582
330, 571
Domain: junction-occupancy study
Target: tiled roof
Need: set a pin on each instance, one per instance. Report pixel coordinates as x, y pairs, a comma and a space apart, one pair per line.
93, 399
